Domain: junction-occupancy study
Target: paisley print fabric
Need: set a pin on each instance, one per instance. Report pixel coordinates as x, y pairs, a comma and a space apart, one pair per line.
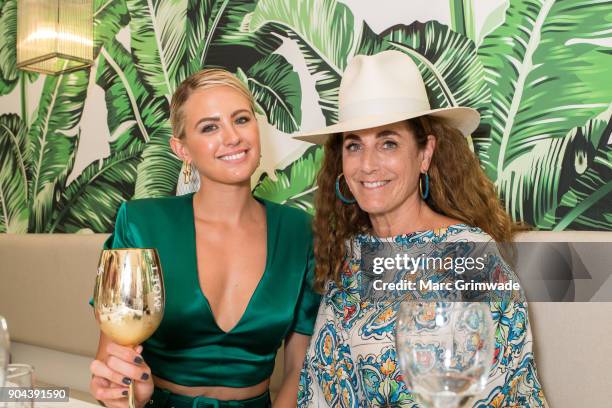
352, 362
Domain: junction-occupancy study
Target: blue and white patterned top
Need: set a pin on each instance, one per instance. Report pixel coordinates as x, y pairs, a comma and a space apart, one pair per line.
351, 360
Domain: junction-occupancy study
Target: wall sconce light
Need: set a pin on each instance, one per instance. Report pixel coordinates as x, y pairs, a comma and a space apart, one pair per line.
54, 36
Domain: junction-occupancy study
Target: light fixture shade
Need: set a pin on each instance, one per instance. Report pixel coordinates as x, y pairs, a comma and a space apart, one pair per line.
54, 36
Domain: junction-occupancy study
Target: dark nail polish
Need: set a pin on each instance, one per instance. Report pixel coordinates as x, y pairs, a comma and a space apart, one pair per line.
138, 360
145, 376
125, 392
126, 381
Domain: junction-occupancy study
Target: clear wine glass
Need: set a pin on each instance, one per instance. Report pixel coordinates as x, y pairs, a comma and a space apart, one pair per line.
4, 350
445, 350
21, 376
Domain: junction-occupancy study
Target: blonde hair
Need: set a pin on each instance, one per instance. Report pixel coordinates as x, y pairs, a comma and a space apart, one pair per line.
203, 79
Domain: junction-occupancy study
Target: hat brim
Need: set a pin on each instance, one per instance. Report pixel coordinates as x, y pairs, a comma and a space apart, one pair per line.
466, 120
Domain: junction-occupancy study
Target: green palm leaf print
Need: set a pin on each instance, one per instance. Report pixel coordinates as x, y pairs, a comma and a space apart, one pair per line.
324, 31
109, 17
13, 176
52, 142
547, 69
536, 70
586, 203
546, 66
276, 88
91, 201
133, 113
157, 29
8, 40
447, 61
560, 175
294, 185
159, 170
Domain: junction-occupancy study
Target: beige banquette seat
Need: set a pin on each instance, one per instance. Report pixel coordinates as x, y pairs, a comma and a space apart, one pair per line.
46, 281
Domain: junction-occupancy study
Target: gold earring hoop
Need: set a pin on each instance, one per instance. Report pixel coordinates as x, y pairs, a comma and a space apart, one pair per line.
186, 172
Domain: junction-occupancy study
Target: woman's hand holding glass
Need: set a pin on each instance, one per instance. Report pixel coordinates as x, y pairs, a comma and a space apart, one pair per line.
111, 378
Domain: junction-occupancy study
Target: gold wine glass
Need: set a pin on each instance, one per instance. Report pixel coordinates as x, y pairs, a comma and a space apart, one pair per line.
129, 297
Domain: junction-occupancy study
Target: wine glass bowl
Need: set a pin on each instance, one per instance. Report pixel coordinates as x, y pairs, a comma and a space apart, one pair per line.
129, 294
445, 350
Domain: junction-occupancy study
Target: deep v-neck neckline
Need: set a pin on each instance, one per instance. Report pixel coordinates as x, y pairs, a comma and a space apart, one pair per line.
196, 273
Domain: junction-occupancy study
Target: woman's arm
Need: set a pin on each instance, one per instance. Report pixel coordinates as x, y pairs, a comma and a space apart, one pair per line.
295, 351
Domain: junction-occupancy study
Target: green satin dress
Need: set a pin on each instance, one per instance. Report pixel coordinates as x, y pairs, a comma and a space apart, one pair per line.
189, 348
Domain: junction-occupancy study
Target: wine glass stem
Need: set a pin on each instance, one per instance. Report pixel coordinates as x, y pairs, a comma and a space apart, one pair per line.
131, 397
445, 401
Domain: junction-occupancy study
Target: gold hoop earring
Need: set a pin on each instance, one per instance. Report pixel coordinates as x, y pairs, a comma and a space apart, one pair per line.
186, 172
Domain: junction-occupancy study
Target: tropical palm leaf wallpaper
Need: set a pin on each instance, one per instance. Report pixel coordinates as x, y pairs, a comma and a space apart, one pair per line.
73, 147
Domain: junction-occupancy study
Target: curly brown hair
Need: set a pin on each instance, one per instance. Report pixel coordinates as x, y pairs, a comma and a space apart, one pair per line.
459, 188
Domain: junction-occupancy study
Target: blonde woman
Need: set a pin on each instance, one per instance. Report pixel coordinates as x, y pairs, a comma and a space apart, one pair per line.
237, 269
397, 171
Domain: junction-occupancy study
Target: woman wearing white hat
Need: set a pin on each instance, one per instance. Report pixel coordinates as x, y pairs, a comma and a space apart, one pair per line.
396, 170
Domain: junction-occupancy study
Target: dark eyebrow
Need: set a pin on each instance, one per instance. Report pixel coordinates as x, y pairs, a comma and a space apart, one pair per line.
209, 119
217, 119
386, 132
351, 136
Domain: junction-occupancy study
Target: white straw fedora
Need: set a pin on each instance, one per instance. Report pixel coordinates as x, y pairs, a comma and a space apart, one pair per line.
385, 88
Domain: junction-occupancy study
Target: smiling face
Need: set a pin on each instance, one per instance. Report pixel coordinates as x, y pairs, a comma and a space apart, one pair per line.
382, 165
221, 137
